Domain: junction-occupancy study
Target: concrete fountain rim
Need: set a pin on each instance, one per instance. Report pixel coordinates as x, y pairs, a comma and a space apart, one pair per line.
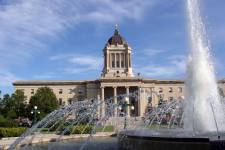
173, 134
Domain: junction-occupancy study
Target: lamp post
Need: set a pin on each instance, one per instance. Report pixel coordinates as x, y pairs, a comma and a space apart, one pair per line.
124, 107
34, 112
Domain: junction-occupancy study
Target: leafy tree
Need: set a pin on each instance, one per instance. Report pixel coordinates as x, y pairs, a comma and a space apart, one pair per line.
18, 103
14, 106
4, 105
45, 100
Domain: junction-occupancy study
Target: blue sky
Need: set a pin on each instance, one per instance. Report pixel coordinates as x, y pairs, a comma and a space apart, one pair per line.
61, 39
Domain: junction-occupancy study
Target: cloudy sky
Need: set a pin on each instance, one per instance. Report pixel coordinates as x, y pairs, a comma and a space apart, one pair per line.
63, 39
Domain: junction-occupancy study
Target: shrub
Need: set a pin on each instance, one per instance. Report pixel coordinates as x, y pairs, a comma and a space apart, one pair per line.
11, 132
81, 129
7, 123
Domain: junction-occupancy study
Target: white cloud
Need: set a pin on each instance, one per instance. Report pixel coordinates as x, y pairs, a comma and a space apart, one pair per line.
27, 26
46, 76
78, 63
25, 23
175, 67
6, 78
152, 52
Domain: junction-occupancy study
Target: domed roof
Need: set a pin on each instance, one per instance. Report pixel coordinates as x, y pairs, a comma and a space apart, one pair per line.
117, 38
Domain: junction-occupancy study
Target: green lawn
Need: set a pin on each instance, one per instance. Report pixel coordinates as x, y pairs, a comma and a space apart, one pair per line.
108, 128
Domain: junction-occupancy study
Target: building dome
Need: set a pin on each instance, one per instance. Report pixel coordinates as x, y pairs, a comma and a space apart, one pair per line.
117, 38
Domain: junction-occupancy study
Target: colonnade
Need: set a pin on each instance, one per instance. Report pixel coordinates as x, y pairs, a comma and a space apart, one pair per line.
115, 100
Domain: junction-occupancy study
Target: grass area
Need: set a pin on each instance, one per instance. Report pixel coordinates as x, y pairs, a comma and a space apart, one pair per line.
156, 127
108, 128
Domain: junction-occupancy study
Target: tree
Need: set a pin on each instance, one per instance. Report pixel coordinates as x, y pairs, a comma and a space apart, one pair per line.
45, 100
14, 106
18, 103
4, 105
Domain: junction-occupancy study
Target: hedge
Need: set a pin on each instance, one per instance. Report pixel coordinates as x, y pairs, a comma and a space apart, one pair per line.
81, 129
11, 132
7, 123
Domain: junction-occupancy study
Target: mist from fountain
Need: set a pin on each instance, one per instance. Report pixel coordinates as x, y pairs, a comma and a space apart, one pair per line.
88, 111
204, 109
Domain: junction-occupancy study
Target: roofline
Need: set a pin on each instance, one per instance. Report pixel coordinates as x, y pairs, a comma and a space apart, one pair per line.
80, 82
53, 82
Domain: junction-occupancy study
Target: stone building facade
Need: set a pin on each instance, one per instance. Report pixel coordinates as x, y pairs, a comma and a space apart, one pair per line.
117, 78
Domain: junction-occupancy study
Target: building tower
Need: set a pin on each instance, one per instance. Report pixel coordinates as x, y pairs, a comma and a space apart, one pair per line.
117, 57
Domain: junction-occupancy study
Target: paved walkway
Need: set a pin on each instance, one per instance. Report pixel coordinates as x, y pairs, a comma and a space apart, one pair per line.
46, 138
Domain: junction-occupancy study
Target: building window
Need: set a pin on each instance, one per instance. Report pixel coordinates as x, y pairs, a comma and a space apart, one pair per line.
117, 60
60, 91
122, 60
160, 90
80, 92
170, 89
60, 101
70, 101
129, 61
149, 100
32, 91
170, 99
113, 60
180, 89
70, 91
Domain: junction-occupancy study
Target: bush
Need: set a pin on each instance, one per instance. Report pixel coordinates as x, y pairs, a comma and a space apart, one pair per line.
7, 123
11, 132
81, 129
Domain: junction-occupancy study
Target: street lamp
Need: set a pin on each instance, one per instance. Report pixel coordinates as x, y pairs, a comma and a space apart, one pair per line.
124, 107
34, 112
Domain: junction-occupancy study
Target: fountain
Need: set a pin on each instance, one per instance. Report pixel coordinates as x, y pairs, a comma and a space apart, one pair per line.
200, 119
197, 122
70, 118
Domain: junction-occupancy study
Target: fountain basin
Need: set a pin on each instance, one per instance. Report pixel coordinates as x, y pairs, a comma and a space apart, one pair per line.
168, 140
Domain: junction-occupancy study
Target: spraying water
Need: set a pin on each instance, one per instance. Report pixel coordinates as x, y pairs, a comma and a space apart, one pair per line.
204, 110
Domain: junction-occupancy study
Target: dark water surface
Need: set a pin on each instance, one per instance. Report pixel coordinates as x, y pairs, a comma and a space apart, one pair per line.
106, 143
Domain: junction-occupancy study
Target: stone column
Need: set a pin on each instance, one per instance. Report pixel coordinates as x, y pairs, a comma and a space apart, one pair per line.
139, 102
115, 100
99, 107
107, 60
128, 109
110, 60
103, 104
